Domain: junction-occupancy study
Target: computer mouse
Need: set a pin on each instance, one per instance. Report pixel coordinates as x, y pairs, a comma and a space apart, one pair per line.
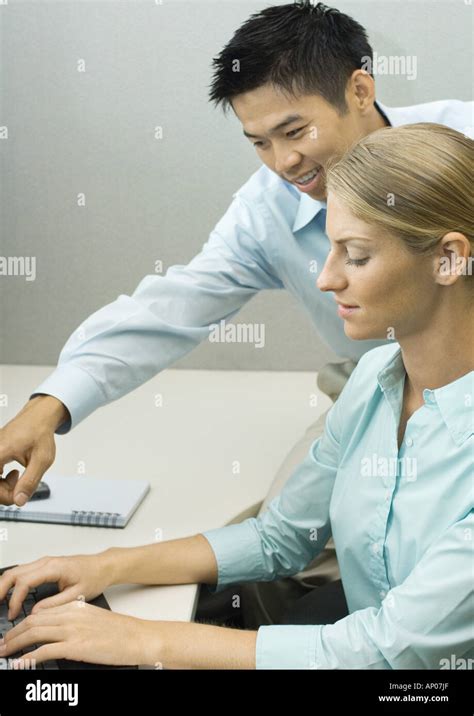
41, 492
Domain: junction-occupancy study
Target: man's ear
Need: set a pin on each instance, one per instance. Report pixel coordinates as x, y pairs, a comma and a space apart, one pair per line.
361, 88
452, 258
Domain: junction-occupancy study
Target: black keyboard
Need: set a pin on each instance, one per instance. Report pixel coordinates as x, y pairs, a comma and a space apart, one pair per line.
36, 595
33, 596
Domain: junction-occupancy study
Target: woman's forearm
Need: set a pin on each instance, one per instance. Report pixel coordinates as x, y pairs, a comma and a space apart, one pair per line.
189, 560
180, 645
203, 646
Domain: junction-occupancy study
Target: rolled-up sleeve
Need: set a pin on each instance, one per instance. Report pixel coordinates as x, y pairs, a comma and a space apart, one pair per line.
424, 623
127, 342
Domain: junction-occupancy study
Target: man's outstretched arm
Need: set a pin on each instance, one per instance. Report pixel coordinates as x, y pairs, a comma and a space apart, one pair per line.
127, 342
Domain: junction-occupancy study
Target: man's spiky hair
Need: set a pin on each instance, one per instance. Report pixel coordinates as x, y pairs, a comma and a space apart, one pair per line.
300, 48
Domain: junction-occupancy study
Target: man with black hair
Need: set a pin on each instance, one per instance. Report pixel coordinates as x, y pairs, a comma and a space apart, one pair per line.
294, 76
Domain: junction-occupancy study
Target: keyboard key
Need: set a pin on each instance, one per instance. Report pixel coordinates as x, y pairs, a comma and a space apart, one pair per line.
7, 624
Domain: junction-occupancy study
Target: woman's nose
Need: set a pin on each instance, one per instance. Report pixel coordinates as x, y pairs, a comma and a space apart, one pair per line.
332, 277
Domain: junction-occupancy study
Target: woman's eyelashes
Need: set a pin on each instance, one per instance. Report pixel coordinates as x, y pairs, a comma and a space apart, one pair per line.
357, 262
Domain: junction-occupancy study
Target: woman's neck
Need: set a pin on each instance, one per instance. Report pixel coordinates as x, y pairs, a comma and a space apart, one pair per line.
441, 353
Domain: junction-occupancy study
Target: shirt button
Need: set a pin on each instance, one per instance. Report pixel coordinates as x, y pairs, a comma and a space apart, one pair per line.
387, 496
408, 442
382, 594
375, 547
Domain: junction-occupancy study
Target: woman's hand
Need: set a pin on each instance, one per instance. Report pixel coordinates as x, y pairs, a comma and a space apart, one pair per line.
82, 632
84, 576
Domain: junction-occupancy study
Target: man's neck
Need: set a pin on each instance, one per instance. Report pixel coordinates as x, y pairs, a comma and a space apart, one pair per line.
377, 120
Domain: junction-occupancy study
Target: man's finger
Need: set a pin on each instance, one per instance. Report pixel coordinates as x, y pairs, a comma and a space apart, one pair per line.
29, 480
7, 487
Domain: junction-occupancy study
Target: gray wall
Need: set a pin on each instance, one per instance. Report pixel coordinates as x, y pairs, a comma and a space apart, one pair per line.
149, 64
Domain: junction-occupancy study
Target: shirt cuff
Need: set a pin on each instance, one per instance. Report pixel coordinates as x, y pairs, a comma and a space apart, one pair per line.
285, 646
238, 553
76, 389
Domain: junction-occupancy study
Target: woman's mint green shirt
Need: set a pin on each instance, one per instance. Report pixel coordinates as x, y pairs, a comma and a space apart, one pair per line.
402, 523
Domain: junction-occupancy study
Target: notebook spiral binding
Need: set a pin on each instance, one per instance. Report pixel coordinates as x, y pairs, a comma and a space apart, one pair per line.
78, 517
9, 512
96, 519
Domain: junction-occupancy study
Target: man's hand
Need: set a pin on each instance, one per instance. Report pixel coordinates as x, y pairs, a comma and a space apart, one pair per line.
29, 439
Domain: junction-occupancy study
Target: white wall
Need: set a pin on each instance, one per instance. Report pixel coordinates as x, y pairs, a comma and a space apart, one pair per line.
149, 64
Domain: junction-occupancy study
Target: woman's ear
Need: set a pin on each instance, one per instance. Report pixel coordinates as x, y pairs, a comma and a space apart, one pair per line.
452, 258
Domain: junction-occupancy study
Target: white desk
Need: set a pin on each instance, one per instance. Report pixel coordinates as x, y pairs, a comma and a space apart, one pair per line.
187, 449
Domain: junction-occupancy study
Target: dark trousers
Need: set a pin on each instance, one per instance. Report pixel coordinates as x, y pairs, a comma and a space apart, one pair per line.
321, 605
254, 604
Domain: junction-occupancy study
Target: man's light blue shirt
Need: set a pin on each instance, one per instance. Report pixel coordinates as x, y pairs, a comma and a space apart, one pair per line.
271, 237
402, 523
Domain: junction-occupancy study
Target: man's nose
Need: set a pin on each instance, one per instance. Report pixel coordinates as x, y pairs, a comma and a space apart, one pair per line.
285, 160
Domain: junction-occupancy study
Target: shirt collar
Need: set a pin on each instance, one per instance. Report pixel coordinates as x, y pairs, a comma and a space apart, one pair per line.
308, 208
392, 373
454, 400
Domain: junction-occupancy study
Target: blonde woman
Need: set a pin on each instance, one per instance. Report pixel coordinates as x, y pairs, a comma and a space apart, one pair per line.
390, 478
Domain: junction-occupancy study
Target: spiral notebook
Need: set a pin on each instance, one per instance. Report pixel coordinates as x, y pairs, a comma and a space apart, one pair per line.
82, 501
